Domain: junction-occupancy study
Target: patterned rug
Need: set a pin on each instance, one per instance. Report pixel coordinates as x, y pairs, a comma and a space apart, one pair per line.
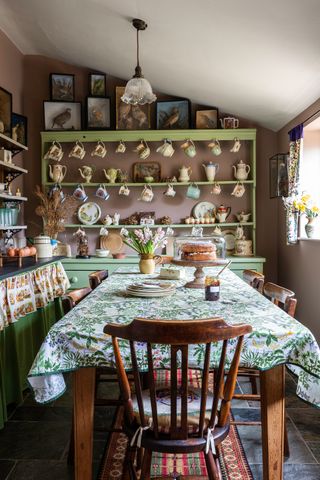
233, 462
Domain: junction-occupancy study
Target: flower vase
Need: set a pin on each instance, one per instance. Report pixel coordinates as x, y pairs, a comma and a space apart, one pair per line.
310, 227
148, 262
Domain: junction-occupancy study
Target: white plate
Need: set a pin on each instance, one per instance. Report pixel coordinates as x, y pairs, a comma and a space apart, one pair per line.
202, 208
89, 213
230, 238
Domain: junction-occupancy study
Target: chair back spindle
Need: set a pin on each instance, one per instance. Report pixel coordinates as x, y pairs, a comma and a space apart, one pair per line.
281, 296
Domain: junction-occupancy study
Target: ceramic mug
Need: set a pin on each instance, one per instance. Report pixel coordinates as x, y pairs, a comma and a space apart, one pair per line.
77, 151
170, 192
216, 189
55, 152
101, 192
57, 188
99, 150
121, 148
147, 194
189, 148
80, 194
166, 149
124, 190
215, 147
229, 122
193, 191
143, 150
238, 190
236, 146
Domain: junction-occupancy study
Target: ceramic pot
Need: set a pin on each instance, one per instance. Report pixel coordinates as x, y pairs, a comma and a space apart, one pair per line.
310, 227
148, 262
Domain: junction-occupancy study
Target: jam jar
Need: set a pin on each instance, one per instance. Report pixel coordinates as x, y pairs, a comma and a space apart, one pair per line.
212, 289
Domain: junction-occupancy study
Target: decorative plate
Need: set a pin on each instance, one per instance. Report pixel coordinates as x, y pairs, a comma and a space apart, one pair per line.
202, 208
112, 242
230, 238
89, 213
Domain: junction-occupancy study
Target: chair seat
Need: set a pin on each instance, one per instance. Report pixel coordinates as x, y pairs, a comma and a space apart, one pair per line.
162, 386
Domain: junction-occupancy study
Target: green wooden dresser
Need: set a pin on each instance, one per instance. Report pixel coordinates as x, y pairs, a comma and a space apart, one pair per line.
78, 270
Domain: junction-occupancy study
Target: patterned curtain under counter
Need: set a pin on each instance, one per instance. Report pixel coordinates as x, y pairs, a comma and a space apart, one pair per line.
295, 153
25, 293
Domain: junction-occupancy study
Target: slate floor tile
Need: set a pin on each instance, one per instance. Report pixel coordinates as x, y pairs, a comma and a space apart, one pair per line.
41, 470
42, 413
307, 420
315, 449
33, 440
291, 472
5, 468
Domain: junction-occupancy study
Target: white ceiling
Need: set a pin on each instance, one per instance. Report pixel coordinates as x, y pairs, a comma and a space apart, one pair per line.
252, 58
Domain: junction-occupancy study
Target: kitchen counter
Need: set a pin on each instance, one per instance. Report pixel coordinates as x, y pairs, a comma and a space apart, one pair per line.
11, 268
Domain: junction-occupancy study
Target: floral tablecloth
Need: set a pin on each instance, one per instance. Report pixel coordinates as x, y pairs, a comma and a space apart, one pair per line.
78, 340
24, 293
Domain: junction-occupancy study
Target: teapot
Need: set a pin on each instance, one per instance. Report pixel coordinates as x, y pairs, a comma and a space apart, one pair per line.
57, 172
243, 217
222, 213
211, 169
241, 170
86, 172
111, 174
185, 173
107, 220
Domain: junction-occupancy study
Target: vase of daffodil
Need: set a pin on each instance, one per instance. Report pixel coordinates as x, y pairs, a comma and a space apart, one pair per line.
305, 206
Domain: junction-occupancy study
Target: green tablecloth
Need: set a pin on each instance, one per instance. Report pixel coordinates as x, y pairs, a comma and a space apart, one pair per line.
19, 344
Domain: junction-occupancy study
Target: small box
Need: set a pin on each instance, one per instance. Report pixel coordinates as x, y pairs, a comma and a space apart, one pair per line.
5, 155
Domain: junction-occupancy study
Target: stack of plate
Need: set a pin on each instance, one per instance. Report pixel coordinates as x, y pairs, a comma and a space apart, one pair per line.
150, 289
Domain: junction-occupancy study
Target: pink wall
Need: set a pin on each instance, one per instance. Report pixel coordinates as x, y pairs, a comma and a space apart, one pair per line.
299, 265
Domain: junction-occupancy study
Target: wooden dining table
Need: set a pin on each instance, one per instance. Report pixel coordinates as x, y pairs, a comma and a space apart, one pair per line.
77, 343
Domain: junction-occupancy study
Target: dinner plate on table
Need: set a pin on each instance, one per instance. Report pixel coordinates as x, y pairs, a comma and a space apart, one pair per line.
150, 289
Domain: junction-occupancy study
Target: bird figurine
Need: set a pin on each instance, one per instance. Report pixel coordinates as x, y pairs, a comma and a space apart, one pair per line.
139, 115
62, 118
172, 118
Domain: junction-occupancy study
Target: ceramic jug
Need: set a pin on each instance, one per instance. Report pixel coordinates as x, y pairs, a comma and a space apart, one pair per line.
243, 217
211, 170
57, 172
241, 170
184, 174
222, 213
86, 172
148, 262
111, 174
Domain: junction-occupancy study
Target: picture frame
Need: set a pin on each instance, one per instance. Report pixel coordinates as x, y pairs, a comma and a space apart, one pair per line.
62, 87
131, 117
98, 116
5, 112
19, 124
140, 170
173, 114
97, 84
279, 182
62, 116
208, 118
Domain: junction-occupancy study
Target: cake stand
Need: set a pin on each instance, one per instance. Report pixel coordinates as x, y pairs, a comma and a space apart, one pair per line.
199, 275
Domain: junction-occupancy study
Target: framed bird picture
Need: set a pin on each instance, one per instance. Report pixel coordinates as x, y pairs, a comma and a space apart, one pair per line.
98, 113
131, 117
207, 118
173, 114
62, 116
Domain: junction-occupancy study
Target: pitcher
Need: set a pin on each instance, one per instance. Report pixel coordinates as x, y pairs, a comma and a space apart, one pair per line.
57, 172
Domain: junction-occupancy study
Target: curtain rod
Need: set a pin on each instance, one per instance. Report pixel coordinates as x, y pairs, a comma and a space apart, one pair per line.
307, 119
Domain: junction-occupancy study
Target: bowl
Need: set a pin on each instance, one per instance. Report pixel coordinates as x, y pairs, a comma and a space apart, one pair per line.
102, 253
118, 256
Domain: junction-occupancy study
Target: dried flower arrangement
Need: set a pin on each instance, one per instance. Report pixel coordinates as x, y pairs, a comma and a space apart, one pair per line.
55, 207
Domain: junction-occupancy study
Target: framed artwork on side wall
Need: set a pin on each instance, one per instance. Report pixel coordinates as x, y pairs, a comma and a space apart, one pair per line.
5, 112
62, 87
131, 117
20, 128
62, 115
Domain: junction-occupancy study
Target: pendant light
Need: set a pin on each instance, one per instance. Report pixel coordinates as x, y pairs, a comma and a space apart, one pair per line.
138, 90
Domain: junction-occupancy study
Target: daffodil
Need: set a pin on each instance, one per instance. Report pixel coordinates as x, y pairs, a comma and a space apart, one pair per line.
305, 198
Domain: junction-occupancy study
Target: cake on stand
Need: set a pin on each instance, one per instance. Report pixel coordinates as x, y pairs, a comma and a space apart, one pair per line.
199, 275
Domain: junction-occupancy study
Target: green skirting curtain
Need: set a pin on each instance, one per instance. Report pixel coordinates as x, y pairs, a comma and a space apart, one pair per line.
19, 344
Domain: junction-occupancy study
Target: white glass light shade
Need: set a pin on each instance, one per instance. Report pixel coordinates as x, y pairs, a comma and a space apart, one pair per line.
138, 92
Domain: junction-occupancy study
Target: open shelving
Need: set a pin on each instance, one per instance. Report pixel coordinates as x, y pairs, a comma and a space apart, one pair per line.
10, 144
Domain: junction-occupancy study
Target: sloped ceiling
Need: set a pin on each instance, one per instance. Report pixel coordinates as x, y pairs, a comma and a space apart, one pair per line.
253, 58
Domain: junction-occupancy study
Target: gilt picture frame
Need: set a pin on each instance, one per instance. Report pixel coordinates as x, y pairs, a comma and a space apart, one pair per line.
131, 117
141, 170
207, 118
5, 112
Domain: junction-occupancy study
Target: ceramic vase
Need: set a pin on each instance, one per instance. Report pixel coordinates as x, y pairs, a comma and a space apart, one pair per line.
310, 227
148, 262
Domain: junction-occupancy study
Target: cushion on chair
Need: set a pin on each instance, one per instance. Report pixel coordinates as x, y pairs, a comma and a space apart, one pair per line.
162, 384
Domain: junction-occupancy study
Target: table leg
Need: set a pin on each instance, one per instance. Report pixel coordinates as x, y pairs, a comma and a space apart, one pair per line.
272, 413
83, 411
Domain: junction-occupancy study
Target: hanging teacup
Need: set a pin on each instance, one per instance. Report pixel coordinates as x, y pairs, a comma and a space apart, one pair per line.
193, 191
238, 190
124, 190
55, 152
189, 148
143, 150
215, 147
99, 150
77, 151
216, 189
147, 194
166, 149
121, 148
170, 192
236, 146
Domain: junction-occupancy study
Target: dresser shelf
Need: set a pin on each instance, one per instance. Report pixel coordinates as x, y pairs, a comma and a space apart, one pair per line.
8, 144
153, 184
173, 225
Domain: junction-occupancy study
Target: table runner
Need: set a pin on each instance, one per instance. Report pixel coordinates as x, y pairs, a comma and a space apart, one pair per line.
24, 293
78, 340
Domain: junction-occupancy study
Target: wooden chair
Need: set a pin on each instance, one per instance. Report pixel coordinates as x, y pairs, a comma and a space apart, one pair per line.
254, 279
72, 298
95, 278
282, 297
184, 426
